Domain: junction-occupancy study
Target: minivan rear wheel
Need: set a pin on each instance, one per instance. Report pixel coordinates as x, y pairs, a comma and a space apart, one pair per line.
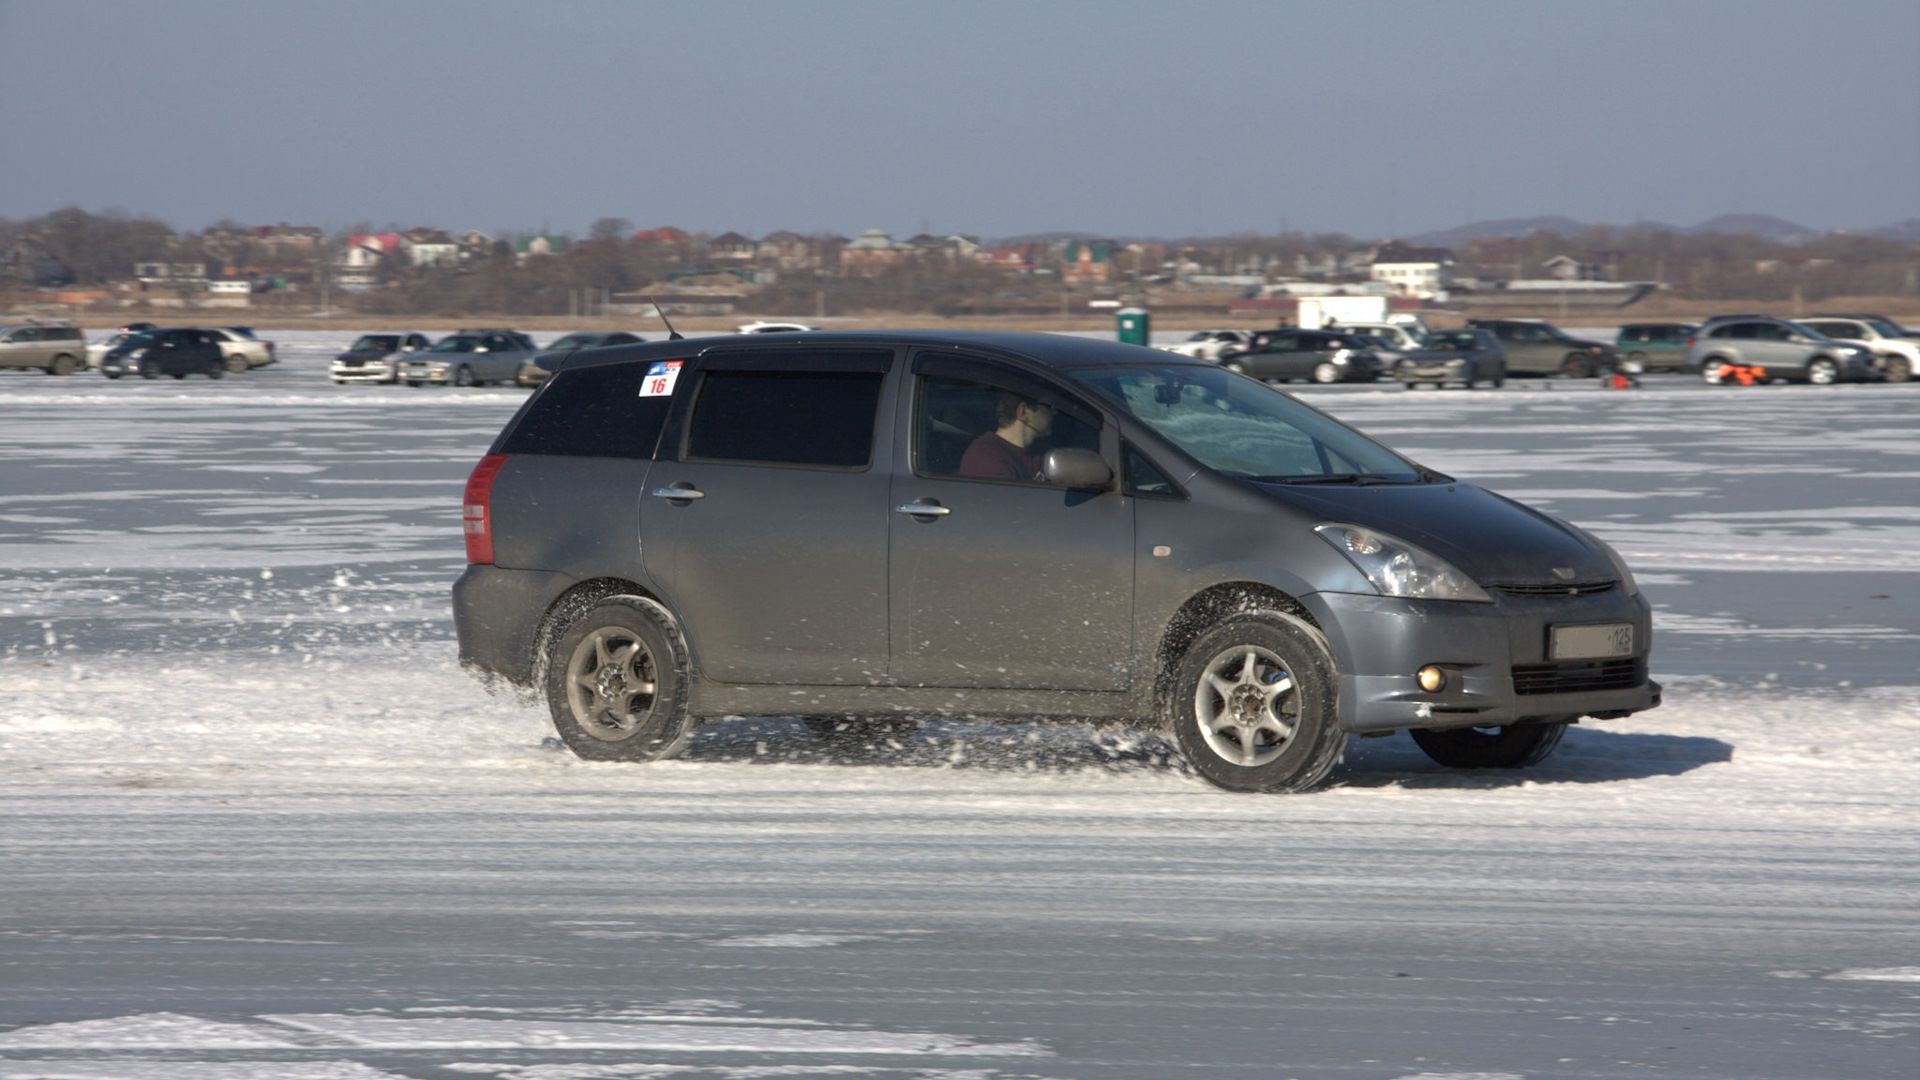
1509, 746
63, 365
616, 683
1253, 705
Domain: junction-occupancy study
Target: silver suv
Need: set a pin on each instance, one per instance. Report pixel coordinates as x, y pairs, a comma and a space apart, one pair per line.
1749, 349
847, 527
53, 348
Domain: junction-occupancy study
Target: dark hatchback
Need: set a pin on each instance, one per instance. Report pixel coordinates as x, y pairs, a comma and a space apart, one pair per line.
849, 526
542, 365
1323, 356
178, 351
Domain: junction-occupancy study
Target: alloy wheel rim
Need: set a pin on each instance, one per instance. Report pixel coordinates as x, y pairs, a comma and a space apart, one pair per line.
612, 684
1247, 705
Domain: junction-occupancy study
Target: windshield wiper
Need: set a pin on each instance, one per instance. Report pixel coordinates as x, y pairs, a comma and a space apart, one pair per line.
1423, 476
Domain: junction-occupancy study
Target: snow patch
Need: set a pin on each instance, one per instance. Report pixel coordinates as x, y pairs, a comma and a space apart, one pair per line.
192, 1070
1892, 974
147, 1031
386, 1033
788, 941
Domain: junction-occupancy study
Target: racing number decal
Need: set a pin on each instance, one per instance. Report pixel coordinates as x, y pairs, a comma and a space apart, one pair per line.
661, 376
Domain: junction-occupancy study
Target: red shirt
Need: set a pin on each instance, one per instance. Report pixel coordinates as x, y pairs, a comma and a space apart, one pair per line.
991, 457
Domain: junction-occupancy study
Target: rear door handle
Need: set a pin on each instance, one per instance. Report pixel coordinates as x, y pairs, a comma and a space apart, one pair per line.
923, 509
679, 494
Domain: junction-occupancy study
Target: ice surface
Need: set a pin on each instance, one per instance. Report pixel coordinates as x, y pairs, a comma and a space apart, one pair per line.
242, 778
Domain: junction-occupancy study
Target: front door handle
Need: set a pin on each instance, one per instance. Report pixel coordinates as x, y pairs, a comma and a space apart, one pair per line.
679, 493
923, 509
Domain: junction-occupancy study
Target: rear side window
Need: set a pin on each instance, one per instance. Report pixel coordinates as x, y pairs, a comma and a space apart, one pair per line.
591, 412
817, 418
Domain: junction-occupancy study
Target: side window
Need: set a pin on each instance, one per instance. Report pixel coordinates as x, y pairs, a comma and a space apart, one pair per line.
1637, 333
819, 418
1744, 330
1142, 478
981, 430
591, 412
1772, 332
23, 336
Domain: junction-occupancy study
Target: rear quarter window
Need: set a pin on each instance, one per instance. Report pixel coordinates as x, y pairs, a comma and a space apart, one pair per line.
591, 412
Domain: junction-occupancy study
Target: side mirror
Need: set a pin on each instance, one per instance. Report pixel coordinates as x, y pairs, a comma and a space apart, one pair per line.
1076, 469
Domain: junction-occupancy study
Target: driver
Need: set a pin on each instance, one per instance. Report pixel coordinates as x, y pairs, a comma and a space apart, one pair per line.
1006, 453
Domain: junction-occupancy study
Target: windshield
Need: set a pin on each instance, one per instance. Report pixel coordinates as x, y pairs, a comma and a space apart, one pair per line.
576, 341
454, 344
1243, 429
142, 338
1887, 329
1451, 339
377, 343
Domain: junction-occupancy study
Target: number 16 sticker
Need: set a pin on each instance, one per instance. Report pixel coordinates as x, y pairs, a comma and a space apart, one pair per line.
660, 378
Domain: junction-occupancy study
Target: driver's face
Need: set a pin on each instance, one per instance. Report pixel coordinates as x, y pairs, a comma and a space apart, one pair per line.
1038, 418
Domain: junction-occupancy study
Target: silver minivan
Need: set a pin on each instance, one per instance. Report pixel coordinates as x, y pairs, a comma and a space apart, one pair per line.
850, 526
54, 348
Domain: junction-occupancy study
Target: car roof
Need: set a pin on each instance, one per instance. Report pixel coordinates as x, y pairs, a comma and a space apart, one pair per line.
1060, 351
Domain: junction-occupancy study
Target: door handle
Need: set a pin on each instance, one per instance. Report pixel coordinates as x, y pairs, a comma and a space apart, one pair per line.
679, 494
923, 509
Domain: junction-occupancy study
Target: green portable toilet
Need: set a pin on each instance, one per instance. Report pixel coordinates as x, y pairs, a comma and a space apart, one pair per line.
1133, 325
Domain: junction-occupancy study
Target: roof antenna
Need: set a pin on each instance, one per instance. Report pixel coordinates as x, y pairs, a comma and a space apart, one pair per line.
672, 334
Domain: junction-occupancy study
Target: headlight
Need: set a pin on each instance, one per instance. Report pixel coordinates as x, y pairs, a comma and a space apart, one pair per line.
1397, 568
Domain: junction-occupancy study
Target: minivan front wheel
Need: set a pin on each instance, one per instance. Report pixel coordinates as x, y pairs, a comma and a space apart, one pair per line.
1254, 705
1510, 746
616, 683
1822, 371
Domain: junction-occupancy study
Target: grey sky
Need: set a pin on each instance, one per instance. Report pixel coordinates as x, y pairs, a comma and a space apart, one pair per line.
1124, 117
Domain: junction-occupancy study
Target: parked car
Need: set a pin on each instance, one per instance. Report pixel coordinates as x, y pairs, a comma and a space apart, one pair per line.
1399, 337
535, 370
1748, 349
1655, 346
54, 348
1324, 356
178, 351
241, 349
96, 350
1898, 350
469, 358
1210, 344
826, 529
1539, 348
376, 357
1468, 357
758, 327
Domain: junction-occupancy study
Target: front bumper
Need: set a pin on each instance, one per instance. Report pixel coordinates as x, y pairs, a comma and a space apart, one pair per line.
411, 373
369, 372
1495, 655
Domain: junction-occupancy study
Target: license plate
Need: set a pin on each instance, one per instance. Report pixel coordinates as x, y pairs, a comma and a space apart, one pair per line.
1590, 642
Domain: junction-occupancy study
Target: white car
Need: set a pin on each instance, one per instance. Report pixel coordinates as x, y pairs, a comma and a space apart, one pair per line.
1210, 344
1398, 336
1899, 351
240, 349
758, 327
98, 349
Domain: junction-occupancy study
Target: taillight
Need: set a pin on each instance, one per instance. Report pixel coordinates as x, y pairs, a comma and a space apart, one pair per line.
476, 509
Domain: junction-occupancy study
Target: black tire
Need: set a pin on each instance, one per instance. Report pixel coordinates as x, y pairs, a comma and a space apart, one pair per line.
595, 674
1576, 366
1238, 726
1512, 746
237, 363
181, 375
216, 371
63, 365
111, 374
413, 382
1325, 372
463, 376
149, 369
1898, 369
1822, 371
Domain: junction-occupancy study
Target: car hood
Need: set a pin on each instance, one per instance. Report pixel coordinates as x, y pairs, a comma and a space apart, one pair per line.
1489, 537
365, 354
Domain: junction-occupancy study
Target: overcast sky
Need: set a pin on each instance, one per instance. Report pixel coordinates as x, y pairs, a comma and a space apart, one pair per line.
1125, 117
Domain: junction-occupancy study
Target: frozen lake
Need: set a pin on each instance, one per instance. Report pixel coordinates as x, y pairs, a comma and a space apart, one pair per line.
255, 824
